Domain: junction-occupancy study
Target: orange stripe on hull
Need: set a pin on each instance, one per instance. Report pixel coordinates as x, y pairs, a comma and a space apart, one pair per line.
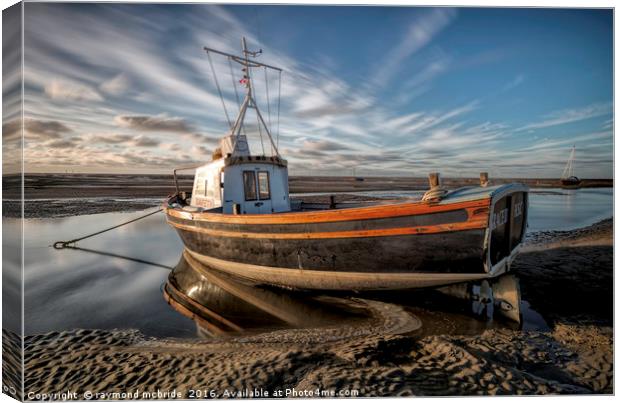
349, 214
429, 229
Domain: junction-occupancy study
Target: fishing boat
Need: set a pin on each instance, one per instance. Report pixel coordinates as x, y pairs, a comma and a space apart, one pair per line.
239, 219
569, 180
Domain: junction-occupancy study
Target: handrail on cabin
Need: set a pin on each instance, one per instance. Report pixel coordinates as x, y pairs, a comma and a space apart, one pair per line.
174, 173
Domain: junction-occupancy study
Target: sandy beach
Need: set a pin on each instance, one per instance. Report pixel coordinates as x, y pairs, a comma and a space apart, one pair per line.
565, 276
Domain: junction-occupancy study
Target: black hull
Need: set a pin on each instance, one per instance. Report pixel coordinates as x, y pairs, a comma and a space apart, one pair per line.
458, 252
410, 245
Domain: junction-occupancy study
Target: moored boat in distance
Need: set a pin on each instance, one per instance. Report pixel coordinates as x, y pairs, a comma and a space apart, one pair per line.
239, 219
569, 180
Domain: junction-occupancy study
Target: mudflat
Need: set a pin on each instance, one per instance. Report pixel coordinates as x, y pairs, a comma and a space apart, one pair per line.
565, 276
62, 195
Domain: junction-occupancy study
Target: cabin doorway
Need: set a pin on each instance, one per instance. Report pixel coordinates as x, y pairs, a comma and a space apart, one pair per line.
257, 192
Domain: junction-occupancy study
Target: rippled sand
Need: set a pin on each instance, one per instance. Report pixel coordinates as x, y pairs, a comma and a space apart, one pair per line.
384, 356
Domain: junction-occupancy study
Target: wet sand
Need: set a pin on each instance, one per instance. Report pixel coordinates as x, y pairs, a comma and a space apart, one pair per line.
565, 276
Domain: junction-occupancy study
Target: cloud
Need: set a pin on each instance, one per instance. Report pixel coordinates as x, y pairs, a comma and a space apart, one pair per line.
324, 145
111, 138
515, 82
67, 90
323, 95
428, 73
420, 121
45, 128
570, 115
11, 130
562, 143
146, 100
170, 146
117, 85
126, 139
156, 123
142, 141
63, 143
200, 150
419, 34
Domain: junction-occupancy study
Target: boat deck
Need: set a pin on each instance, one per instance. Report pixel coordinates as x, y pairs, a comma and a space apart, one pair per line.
297, 205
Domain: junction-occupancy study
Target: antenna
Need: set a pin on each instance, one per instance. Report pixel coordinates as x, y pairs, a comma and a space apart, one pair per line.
246, 81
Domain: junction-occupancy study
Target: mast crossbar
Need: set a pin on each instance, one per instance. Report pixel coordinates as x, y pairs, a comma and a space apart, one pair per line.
242, 59
249, 101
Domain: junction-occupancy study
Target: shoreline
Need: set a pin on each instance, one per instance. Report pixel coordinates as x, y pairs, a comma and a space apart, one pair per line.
381, 357
152, 185
49, 204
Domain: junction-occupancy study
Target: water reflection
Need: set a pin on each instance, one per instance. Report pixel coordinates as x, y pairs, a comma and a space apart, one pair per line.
566, 209
224, 305
75, 288
72, 288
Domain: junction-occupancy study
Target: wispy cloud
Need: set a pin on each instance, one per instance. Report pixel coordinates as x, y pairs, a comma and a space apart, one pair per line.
117, 85
570, 115
127, 87
419, 34
515, 82
59, 89
158, 123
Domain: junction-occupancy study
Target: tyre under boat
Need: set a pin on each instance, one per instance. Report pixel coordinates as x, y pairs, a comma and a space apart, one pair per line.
472, 234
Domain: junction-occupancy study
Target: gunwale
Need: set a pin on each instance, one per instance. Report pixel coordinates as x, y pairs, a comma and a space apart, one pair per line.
348, 214
332, 280
423, 229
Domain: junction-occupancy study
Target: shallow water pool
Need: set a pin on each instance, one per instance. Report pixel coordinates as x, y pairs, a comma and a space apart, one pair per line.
99, 287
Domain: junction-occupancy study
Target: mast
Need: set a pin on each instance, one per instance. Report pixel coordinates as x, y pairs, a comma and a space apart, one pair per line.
569, 169
248, 100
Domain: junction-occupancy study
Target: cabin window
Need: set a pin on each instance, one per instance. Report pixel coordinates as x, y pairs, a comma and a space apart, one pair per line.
206, 187
249, 185
263, 186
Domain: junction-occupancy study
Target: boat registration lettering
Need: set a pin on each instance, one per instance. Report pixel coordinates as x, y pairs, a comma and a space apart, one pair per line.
499, 219
518, 209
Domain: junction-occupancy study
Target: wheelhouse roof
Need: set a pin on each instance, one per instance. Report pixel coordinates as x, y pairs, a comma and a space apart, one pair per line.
253, 159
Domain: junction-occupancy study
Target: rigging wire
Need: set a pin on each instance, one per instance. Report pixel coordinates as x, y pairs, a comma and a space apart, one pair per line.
260, 132
219, 90
278, 122
268, 101
234, 83
251, 88
232, 77
268, 107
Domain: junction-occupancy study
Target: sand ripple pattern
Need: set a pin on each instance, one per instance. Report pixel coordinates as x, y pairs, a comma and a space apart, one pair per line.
382, 357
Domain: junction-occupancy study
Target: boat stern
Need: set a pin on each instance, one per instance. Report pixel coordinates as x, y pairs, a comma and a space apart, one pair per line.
507, 227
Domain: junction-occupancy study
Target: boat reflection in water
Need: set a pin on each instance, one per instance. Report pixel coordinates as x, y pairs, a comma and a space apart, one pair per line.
222, 305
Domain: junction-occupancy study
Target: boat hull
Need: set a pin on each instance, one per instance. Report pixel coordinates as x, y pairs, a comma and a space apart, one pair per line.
334, 280
571, 183
406, 245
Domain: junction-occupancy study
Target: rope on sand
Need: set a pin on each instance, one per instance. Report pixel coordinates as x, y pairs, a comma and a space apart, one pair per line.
66, 244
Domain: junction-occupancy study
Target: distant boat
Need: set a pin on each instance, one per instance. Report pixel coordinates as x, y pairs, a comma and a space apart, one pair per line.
569, 180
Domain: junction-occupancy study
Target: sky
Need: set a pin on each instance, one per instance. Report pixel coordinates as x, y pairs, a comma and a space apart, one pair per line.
375, 91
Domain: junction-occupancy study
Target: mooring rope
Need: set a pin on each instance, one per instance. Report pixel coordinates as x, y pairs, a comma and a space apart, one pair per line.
65, 244
110, 254
435, 194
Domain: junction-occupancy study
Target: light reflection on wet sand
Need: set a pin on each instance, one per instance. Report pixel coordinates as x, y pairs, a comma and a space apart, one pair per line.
70, 289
